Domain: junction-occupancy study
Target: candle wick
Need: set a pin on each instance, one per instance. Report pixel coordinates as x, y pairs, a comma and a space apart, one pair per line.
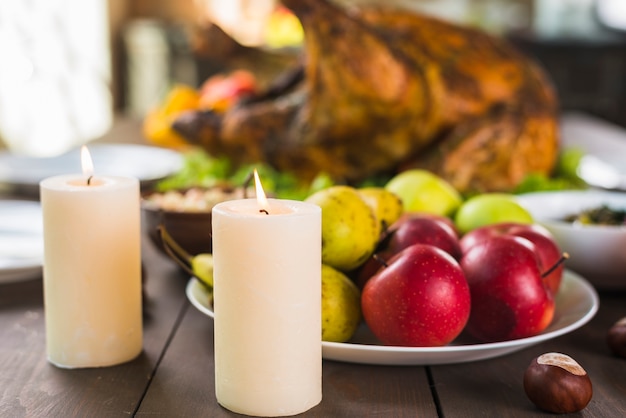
89, 180
264, 211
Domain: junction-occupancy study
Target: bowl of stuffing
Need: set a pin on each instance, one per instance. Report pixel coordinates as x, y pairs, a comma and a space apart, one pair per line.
186, 215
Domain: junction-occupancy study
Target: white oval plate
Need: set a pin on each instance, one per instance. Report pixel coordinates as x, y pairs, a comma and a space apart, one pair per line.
21, 240
146, 163
576, 303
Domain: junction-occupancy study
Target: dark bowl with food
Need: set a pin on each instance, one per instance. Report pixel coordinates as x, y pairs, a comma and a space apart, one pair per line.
185, 215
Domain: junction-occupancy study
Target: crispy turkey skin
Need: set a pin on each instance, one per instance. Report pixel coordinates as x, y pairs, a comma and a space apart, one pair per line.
383, 90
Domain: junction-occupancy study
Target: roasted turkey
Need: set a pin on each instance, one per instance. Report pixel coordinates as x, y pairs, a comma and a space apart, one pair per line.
381, 90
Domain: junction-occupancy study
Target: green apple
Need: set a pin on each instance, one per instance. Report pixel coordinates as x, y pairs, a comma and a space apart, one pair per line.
423, 191
386, 205
350, 230
490, 208
341, 305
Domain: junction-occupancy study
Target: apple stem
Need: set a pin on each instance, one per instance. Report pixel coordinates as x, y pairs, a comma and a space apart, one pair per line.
560, 261
380, 260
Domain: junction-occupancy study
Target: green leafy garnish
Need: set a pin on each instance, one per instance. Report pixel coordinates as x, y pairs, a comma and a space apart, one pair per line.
199, 170
203, 170
565, 175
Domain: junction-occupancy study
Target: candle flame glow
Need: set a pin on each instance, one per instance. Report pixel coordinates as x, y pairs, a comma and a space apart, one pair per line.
260, 194
85, 161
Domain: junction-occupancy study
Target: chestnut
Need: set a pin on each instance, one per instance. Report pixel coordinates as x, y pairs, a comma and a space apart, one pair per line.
616, 338
556, 383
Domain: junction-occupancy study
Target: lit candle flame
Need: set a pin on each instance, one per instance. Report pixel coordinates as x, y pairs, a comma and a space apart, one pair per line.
260, 194
86, 162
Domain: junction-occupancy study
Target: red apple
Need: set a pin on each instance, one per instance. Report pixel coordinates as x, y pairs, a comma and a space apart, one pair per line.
411, 228
424, 229
421, 298
510, 299
545, 245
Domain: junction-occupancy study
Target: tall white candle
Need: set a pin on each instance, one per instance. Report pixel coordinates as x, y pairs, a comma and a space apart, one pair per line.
267, 304
92, 270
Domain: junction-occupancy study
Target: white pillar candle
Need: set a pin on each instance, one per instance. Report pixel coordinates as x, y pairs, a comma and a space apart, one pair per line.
267, 304
92, 270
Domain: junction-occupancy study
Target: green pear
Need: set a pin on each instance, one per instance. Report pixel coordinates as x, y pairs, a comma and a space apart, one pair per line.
202, 267
386, 205
341, 306
350, 230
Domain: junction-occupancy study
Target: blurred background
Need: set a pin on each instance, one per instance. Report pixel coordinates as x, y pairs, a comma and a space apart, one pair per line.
71, 68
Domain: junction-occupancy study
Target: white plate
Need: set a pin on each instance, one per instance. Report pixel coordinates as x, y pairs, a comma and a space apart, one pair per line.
576, 303
21, 240
146, 163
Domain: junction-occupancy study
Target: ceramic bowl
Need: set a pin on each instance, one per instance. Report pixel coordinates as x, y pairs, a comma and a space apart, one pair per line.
191, 230
597, 252
186, 219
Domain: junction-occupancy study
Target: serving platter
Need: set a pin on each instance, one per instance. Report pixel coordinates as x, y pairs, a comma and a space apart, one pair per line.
21, 240
576, 303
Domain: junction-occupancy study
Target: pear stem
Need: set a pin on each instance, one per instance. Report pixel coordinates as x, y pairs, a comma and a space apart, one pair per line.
560, 261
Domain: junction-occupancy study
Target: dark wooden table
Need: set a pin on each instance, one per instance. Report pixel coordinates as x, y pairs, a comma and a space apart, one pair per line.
174, 376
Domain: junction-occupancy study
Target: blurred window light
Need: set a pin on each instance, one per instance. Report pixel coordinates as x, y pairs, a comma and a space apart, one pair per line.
612, 13
55, 74
565, 18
